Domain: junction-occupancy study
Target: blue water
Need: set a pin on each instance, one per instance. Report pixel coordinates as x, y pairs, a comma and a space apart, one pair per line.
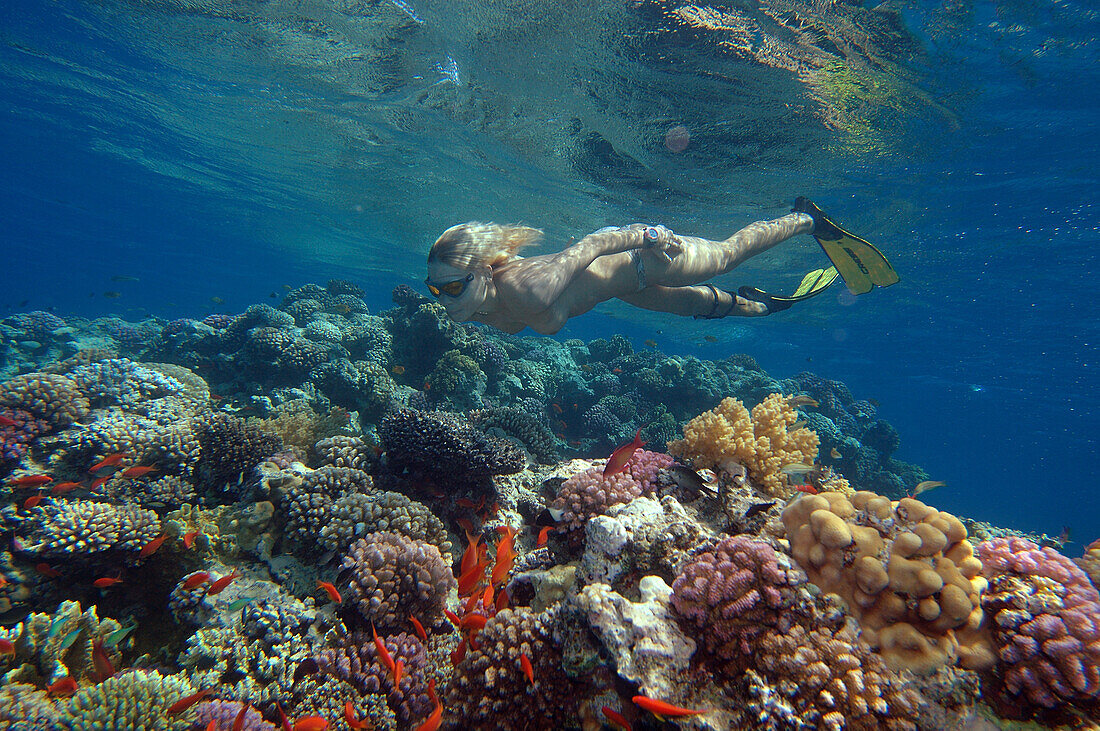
227, 149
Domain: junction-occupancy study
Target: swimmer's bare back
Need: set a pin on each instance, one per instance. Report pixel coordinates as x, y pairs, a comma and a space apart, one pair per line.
647, 266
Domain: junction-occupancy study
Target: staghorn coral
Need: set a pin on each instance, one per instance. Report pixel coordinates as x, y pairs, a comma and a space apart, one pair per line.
135, 699
762, 441
354, 514
52, 397
1045, 621
231, 448
390, 577
444, 448
489, 689
80, 528
356, 662
906, 570
732, 595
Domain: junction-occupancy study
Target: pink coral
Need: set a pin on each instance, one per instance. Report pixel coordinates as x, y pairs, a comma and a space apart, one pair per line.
1045, 621
644, 465
589, 493
733, 594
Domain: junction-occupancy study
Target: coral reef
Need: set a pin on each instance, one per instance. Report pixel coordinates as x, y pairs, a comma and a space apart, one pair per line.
80, 528
763, 442
907, 571
390, 577
134, 699
1044, 616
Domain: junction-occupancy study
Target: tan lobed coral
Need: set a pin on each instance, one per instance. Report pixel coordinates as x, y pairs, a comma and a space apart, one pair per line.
763, 442
906, 570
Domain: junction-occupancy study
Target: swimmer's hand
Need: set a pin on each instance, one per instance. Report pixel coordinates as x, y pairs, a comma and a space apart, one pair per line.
662, 240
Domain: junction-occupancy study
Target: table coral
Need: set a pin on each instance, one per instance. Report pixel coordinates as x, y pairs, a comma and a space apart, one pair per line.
906, 570
389, 577
763, 442
1045, 620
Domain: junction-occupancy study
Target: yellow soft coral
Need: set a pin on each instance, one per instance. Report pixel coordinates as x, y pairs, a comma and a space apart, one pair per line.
761, 442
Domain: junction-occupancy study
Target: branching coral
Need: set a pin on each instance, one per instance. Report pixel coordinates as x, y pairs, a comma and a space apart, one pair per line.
80, 528
357, 662
55, 398
131, 700
230, 449
763, 442
1045, 621
589, 493
390, 577
41, 652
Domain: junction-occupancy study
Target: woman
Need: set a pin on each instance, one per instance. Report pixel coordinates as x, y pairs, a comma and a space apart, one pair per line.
476, 273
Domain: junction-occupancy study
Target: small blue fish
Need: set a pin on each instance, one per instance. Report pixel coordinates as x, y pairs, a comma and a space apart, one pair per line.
56, 627
70, 638
118, 635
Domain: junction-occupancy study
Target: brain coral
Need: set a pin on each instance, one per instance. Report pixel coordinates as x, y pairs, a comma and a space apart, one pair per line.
388, 577
906, 570
1045, 621
489, 689
762, 442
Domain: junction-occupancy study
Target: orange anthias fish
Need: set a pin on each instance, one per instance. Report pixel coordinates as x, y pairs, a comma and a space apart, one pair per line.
238, 722
453, 617
808, 489
660, 708
501, 602
487, 598
196, 579
352, 718
102, 664
473, 621
96, 484
525, 663
616, 463
470, 580
616, 718
151, 547
220, 584
46, 570
434, 720
32, 501
5, 421
310, 723
31, 481
544, 536
419, 628
506, 555
62, 688
139, 471
469, 556
458, 653
184, 703
63, 487
383, 653
7, 647
189, 538
398, 669
106, 582
109, 461
331, 591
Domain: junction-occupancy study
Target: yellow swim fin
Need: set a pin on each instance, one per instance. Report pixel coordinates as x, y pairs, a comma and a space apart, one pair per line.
814, 283
859, 262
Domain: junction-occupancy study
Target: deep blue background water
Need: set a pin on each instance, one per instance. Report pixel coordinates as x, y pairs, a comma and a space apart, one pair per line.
143, 140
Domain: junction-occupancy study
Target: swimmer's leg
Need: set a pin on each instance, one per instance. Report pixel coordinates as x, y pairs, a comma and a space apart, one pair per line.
701, 301
701, 259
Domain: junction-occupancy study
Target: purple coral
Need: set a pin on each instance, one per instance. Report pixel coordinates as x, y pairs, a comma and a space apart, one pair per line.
357, 662
733, 594
589, 493
1045, 619
16, 438
224, 715
644, 465
38, 324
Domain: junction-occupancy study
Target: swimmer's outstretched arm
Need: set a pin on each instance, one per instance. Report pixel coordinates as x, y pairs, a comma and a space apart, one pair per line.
543, 278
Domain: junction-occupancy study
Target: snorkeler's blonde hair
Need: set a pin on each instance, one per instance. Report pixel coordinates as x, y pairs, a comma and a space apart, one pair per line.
472, 244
